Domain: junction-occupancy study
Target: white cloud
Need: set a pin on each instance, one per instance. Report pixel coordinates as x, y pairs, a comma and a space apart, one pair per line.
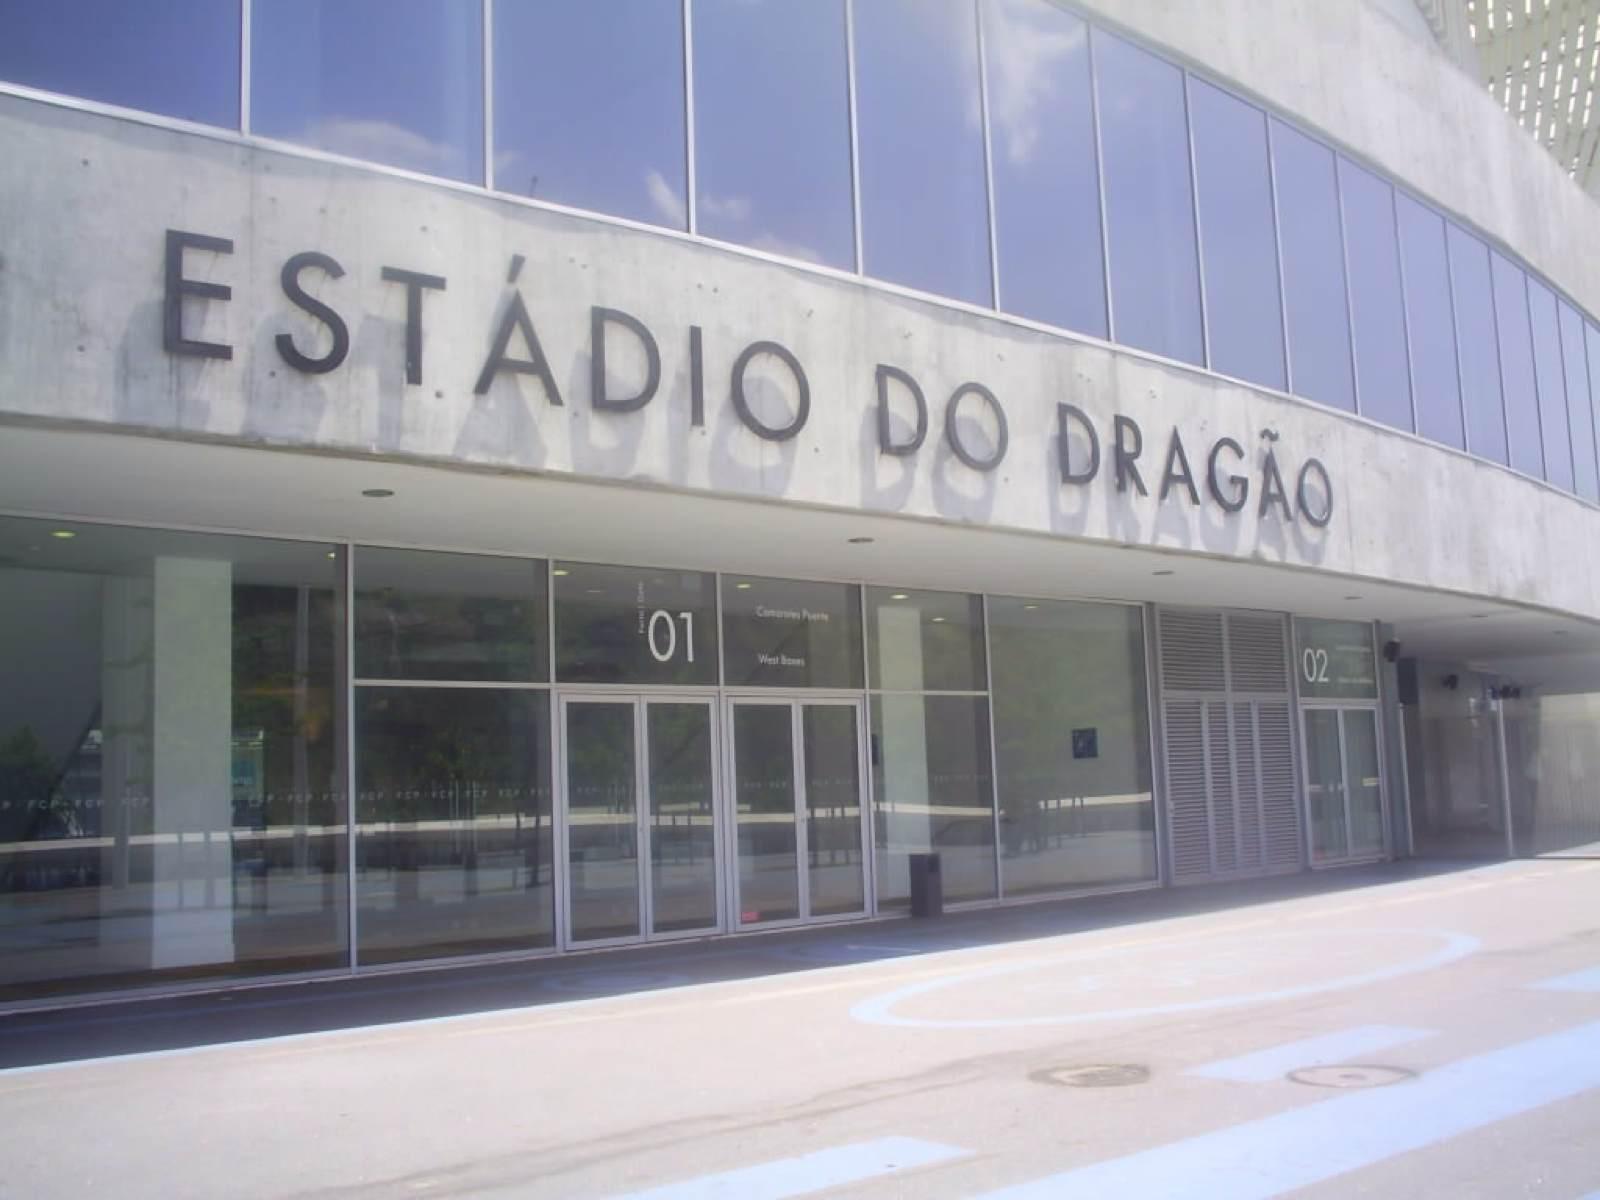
731, 208
666, 201
385, 142
1024, 56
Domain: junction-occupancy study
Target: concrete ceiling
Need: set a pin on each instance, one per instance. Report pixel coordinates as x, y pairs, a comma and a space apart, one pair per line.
66, 474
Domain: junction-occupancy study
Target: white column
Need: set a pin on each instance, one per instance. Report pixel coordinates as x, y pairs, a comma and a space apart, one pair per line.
905, 743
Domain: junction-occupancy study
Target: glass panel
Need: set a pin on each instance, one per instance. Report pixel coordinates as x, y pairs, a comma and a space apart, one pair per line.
788, 633
179, 58
763, 797
635, 625
1580, 414
1383, 385
1337, 660
1433, 337
683, 832
1234, 188
1072, 745
1312, 243
1362, 781
171, 804
453, 850
1516, 366
924, 203
1144, 144
602, 821
1591, 339
449, 616
772, 127
931, 776
833, 809
391, 81
1046, 181
925, 641
1552, 385
589, 106
1325, 785
1472, 292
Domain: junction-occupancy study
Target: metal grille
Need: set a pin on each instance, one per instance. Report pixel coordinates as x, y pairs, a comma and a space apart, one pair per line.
1191, 651
1256, 658
1280, 803
1188, 803
1251, 835
1223, 800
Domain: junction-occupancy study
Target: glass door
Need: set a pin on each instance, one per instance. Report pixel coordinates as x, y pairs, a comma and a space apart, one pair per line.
1344, 784
639, 817
798, 812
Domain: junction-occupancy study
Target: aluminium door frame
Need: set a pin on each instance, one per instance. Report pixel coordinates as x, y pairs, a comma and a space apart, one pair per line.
1339, 708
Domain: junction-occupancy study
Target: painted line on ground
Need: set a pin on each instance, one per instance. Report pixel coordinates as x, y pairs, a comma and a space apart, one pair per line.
1341, 1046
809, 1173
1305, 1146
1587, 980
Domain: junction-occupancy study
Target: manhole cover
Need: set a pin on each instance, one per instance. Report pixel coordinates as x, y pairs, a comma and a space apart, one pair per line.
1351, 1076
1094, 1075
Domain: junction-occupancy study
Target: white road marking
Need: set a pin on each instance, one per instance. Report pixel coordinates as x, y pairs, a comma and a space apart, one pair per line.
1342, 1046
1579, 981
808, 1173
1318, 1142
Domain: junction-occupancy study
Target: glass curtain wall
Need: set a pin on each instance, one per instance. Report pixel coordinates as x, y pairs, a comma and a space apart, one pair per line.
455, 830
171, 757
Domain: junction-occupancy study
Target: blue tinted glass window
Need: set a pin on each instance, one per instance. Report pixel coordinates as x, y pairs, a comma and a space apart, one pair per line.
1377, 312
1552, 385
589, 106
179, 58
1580, 414
391, 81
1239, 254
1516, 366
924, 200
772, 127
1312, 244
1433, 337
1144, 144
1479, 348
1046, 183
1591, 340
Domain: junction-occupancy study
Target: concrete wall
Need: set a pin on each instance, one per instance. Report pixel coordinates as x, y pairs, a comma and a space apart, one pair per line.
81, 312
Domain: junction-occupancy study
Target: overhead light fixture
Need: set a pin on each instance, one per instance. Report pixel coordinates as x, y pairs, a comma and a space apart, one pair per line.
743, 586
1163, 572
1030, 607
333, 554
378, 493
560, 571
64, 534
899, 596
938, 620
860, 541
1352, 597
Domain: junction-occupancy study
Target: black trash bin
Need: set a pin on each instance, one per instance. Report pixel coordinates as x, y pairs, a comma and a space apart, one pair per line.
927, 886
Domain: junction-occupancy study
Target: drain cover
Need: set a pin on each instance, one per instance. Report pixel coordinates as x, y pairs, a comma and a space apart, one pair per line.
1094, 1075
1351, 1076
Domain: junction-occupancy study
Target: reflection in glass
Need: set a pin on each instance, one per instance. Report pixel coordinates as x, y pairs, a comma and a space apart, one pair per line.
925, 641
772, 127
602, 821
1233, 186
1473, 296
1072, 745
1144, 141
1377, 311
390, 81
1325, 785
1591, 342
1432, 335
1552, 385
635, 625
924, 206
420, 615
1046, 181
790, 633
179, 58
453, 849
1363, 786
833, 809
1337, 659
589, 106
1580, 413
171, 805
1313, 269
683, 835
933, 792
764, 813
1516, 366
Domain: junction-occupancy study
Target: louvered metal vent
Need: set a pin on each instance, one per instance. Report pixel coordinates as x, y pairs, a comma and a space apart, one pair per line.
1256, 658
1279, 801
1251, 837
1191, 651
1188, 808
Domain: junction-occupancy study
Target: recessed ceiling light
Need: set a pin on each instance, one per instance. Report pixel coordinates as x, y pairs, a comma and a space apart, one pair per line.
860, 541
1163, 572
743, 587
900, 596
1352, 597
1480, 616
1030, 607
333, 554
63, 534
377, 493
560, 571
938, 620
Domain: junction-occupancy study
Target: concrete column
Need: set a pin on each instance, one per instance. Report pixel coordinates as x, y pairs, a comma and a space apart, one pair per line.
193, 799
905, 744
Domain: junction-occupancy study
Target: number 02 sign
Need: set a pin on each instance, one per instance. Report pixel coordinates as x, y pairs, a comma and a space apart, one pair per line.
1314, 665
